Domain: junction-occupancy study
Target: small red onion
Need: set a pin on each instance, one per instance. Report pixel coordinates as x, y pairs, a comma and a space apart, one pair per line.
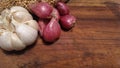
62, 8
67, 21
42, 9
52, 31
43, 22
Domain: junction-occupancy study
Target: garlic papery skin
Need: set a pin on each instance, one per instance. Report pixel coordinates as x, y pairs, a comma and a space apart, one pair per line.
26, 34
32, 23
5, 41
1, 23
5, 13
18, 9
17, 29
22, 16
16, 42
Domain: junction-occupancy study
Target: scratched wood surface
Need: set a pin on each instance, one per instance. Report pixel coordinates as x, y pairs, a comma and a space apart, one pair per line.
94, 42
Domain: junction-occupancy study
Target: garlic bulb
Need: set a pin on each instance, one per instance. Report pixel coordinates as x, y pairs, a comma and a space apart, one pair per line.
17, 29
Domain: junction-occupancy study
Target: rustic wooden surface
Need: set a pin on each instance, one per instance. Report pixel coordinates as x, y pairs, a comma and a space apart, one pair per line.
94, 42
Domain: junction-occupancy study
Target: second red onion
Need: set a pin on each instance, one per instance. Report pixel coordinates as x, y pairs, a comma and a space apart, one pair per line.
52, 31
42, 9
67, 21
62, 8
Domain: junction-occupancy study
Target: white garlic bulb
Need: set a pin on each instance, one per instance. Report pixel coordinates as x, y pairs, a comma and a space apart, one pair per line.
17, 29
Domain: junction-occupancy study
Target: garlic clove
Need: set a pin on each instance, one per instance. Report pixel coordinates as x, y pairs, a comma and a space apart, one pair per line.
0, 17
5, 13
5, 41
26, 34
6, 23
18, 9
1, 31
1, 22
1, 25
16, 42
22, 16
32, 23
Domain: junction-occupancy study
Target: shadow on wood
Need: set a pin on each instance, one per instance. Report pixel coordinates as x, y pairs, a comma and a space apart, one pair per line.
114, 7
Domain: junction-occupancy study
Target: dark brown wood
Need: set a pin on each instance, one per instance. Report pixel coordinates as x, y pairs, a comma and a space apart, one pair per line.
94, 42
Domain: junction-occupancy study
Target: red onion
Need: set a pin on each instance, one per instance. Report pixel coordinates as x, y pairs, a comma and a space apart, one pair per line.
42, 9
52, 31
62, 8
67, 21
44, 22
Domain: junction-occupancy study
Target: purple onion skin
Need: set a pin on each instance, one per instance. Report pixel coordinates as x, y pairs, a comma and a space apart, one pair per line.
62, 8
52, 31
67, 21
42, 24
55, 14
42, 9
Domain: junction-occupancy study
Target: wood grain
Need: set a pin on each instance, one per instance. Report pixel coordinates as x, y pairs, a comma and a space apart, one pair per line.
94, 42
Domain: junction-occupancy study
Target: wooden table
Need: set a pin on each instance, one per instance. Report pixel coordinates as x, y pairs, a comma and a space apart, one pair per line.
94, 42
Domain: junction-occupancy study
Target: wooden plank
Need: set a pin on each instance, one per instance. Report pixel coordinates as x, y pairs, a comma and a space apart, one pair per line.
94, 42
